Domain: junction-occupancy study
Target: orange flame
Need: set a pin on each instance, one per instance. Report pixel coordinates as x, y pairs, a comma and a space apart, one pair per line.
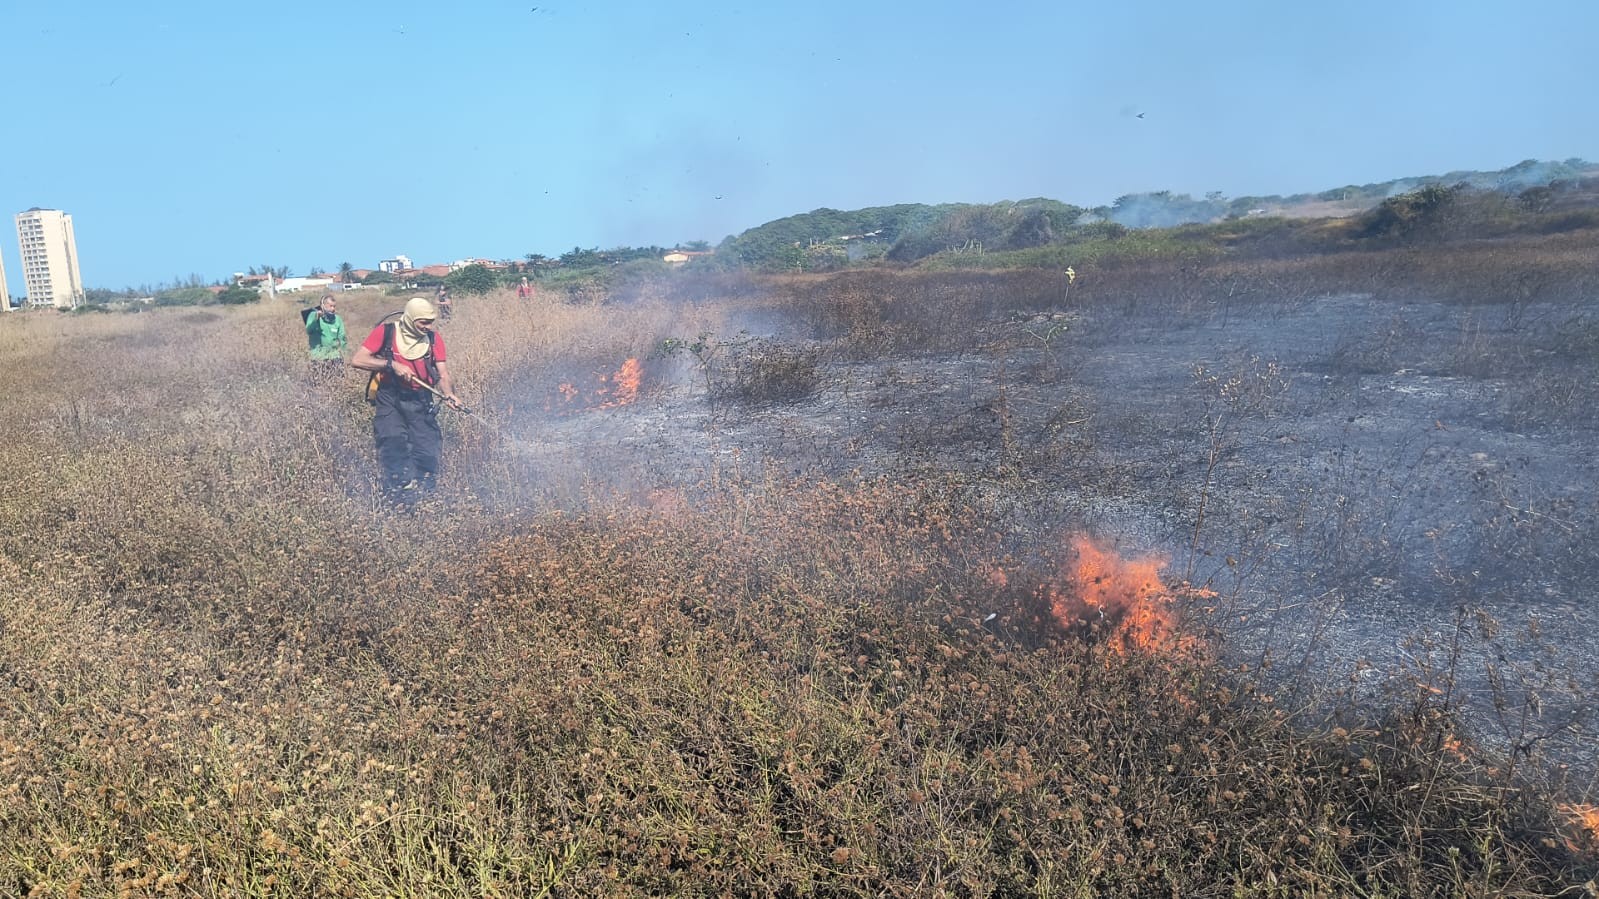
625, 382
1120, 601
1585, 817
614, 390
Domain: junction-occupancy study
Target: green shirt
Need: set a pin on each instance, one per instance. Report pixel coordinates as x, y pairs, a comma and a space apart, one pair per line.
327, 339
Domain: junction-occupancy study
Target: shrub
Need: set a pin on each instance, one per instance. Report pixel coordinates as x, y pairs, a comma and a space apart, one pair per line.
1574, 220
238, 296
472, 279
763, 372
1410, 213
184, 296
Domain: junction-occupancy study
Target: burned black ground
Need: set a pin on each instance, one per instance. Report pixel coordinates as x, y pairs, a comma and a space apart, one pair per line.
1349, 473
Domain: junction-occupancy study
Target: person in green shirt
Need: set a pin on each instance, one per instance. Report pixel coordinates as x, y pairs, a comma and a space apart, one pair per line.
324, 331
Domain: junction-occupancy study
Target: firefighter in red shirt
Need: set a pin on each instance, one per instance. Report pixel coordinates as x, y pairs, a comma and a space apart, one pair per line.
407, 354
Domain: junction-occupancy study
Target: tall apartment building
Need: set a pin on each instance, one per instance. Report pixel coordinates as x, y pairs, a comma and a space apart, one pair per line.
49, 258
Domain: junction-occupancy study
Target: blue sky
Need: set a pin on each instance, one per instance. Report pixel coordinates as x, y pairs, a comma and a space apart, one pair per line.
205, 137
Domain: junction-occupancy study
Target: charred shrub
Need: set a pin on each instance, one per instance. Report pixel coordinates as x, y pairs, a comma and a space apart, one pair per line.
765, 372
1573, 220
881, 313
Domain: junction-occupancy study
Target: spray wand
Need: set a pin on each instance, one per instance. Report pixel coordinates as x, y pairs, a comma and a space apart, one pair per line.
464, 410
442, 398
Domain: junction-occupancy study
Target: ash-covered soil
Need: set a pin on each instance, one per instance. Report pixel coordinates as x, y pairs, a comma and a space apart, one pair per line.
1347, 475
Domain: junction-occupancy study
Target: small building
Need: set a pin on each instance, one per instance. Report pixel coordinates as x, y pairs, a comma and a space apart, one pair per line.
489, 264
678, 257
295, 285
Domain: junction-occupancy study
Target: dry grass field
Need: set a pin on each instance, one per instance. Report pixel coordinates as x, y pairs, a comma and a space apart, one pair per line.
592, 668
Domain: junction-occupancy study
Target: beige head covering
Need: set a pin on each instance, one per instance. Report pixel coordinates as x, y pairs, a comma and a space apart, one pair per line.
410, 341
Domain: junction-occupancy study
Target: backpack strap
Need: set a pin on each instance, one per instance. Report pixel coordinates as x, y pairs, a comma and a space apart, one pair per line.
374, 381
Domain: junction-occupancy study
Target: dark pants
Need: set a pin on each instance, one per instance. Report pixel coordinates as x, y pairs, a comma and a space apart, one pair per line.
407, 431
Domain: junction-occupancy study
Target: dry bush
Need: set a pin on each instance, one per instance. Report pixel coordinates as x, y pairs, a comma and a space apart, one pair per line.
766, 372
881, 313
780, 690
226, 670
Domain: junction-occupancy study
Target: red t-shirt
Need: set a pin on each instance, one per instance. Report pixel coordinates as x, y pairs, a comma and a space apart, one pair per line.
374, 344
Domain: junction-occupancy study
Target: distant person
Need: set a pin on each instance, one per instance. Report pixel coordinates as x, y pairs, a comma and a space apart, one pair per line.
1071, 278
408, 354
441, 300
324, 332
524, 291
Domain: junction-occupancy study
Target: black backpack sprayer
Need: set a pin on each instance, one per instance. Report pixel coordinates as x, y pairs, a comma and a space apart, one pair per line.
390, 322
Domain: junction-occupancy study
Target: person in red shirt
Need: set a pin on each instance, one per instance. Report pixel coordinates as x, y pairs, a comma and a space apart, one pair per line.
408, 354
